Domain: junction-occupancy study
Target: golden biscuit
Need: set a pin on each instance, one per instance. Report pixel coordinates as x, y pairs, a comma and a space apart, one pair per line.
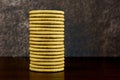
46, 19
46, 63
43, 49
46, 16
46, 53
45, 56
49, 43
46, 29
46, 22
46, 32
45, 26
47, 67
45, 36
40, 59
45, 39
46, 11
48, 46
46, 70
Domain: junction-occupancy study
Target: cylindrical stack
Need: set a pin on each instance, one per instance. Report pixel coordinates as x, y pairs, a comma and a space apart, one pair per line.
46, 40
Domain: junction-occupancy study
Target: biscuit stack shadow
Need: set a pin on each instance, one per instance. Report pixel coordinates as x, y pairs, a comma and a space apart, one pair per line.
46, 40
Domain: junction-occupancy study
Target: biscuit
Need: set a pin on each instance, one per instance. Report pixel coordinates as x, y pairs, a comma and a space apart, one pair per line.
49, 43
40, 59
46, 11
45, 26
48, 46
47, 67
46, 16
45, 39
54, 36
46, 29
43, 49
45, 56
47, 22
46, 32
46, 70
46, 53
40, 63
46, 19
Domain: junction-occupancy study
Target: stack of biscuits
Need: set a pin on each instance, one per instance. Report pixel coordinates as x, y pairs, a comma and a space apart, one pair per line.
46, 40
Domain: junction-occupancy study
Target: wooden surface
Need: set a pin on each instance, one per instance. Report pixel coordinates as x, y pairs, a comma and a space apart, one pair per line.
75, 69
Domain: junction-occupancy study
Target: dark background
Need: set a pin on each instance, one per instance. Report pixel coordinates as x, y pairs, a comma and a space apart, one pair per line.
92, 27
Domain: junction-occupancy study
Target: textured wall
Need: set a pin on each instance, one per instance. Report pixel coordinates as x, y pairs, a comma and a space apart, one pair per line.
92, 27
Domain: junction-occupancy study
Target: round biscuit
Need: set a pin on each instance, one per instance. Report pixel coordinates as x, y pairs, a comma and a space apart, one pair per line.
46, 63
46, 16
47, 67
43, 39
46, 11
47, 22
47, 26
46, 70
47, 53
46, 43
47, 47
45, 56
43, 49
46, 29
40, 59
46, 19
54, 36
46, 32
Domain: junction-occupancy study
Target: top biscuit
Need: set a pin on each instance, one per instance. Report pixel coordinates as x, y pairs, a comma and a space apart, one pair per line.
46, 11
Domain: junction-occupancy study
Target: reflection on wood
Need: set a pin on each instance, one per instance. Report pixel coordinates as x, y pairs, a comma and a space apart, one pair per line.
46, 76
